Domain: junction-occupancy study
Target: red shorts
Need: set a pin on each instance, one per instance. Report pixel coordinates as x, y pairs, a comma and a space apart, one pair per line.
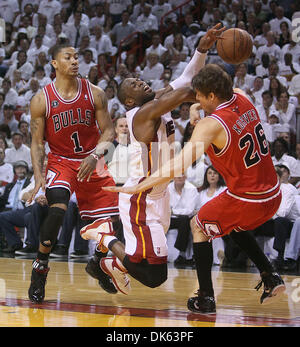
93, 202
225, 213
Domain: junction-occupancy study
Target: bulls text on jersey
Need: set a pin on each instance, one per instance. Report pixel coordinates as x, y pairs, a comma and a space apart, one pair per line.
68, 118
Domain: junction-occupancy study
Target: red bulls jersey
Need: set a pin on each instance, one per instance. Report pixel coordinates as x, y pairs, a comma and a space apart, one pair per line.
71, 128
245, 162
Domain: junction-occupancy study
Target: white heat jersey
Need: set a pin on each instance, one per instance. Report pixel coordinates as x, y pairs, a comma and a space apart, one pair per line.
147, 159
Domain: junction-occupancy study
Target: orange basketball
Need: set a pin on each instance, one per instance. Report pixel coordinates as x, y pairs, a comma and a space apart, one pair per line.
235, 47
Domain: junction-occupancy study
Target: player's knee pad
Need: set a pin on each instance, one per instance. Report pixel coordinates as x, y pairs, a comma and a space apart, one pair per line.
57, 196
50, 228
150, 275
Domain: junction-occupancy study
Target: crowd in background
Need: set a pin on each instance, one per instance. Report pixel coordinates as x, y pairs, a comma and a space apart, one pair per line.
152, 40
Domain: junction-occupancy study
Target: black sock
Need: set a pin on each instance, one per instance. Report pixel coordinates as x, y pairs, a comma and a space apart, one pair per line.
98, 255
43, 257
246, 241
203, 255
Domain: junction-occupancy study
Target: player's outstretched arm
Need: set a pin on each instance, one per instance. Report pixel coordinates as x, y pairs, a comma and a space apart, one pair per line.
37, 149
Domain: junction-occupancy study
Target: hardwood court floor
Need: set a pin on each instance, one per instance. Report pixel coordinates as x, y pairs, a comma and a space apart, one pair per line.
73, 299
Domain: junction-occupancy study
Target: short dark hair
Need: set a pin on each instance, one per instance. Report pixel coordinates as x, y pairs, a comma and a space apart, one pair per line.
58, 48
212, 78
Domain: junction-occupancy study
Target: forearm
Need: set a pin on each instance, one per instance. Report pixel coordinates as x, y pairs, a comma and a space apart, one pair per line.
37, 153
194, 66
105, 142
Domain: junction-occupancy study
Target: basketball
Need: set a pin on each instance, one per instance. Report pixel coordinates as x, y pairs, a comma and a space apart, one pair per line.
235, 46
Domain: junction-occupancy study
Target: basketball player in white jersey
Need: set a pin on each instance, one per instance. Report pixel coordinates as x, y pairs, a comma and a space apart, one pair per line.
146, 216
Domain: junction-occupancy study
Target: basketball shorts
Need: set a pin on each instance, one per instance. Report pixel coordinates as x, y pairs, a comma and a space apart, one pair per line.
145, 224
93, 202
225, 213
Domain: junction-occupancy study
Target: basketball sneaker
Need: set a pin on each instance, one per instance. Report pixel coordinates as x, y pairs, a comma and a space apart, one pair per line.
120, 279
96, 231
36, 291
93, 269
202, 303
273, 286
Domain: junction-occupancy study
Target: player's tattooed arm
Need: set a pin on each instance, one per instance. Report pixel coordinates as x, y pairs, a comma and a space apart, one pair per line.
37, 149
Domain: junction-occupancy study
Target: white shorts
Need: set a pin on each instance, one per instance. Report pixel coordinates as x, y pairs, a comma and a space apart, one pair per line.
145, 223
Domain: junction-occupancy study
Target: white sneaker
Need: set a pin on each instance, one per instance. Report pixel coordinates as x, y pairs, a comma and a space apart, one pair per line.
96, 231
120, 279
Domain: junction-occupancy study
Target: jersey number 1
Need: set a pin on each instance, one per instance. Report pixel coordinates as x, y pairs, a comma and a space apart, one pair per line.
75, 138
252, 156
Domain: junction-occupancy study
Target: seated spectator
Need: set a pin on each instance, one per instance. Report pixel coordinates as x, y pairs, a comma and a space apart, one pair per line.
294, 88
261, 40
117, 158
262, 69
292, 48
115, 108
99, 17
41, 77
275, 23
146, 22
183, 202
13, 213
273, 73
122, 30
22, 65
284, 37
182, 121
270, 48
156, 46
34, 86
6, 172
280, 156
288, 68
242, 79
267, 107
292, 251
9, 118
18, 151
256, 91
86, 64
10, 95
35, 49
286, 215
272, 126
153, 70
23, 128
287, 111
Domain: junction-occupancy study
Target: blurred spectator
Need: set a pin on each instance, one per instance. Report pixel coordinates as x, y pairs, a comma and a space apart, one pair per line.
182, 121
10, 95
6, 172
49, 8
122, 30
18, 151
183, 202
146, 22
9, 118
275, 23
118, 156
13, 213
86, 64
22, 65
280, 156
154, 69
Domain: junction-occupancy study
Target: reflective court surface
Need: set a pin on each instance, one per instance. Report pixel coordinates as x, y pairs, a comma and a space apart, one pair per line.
74, 299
